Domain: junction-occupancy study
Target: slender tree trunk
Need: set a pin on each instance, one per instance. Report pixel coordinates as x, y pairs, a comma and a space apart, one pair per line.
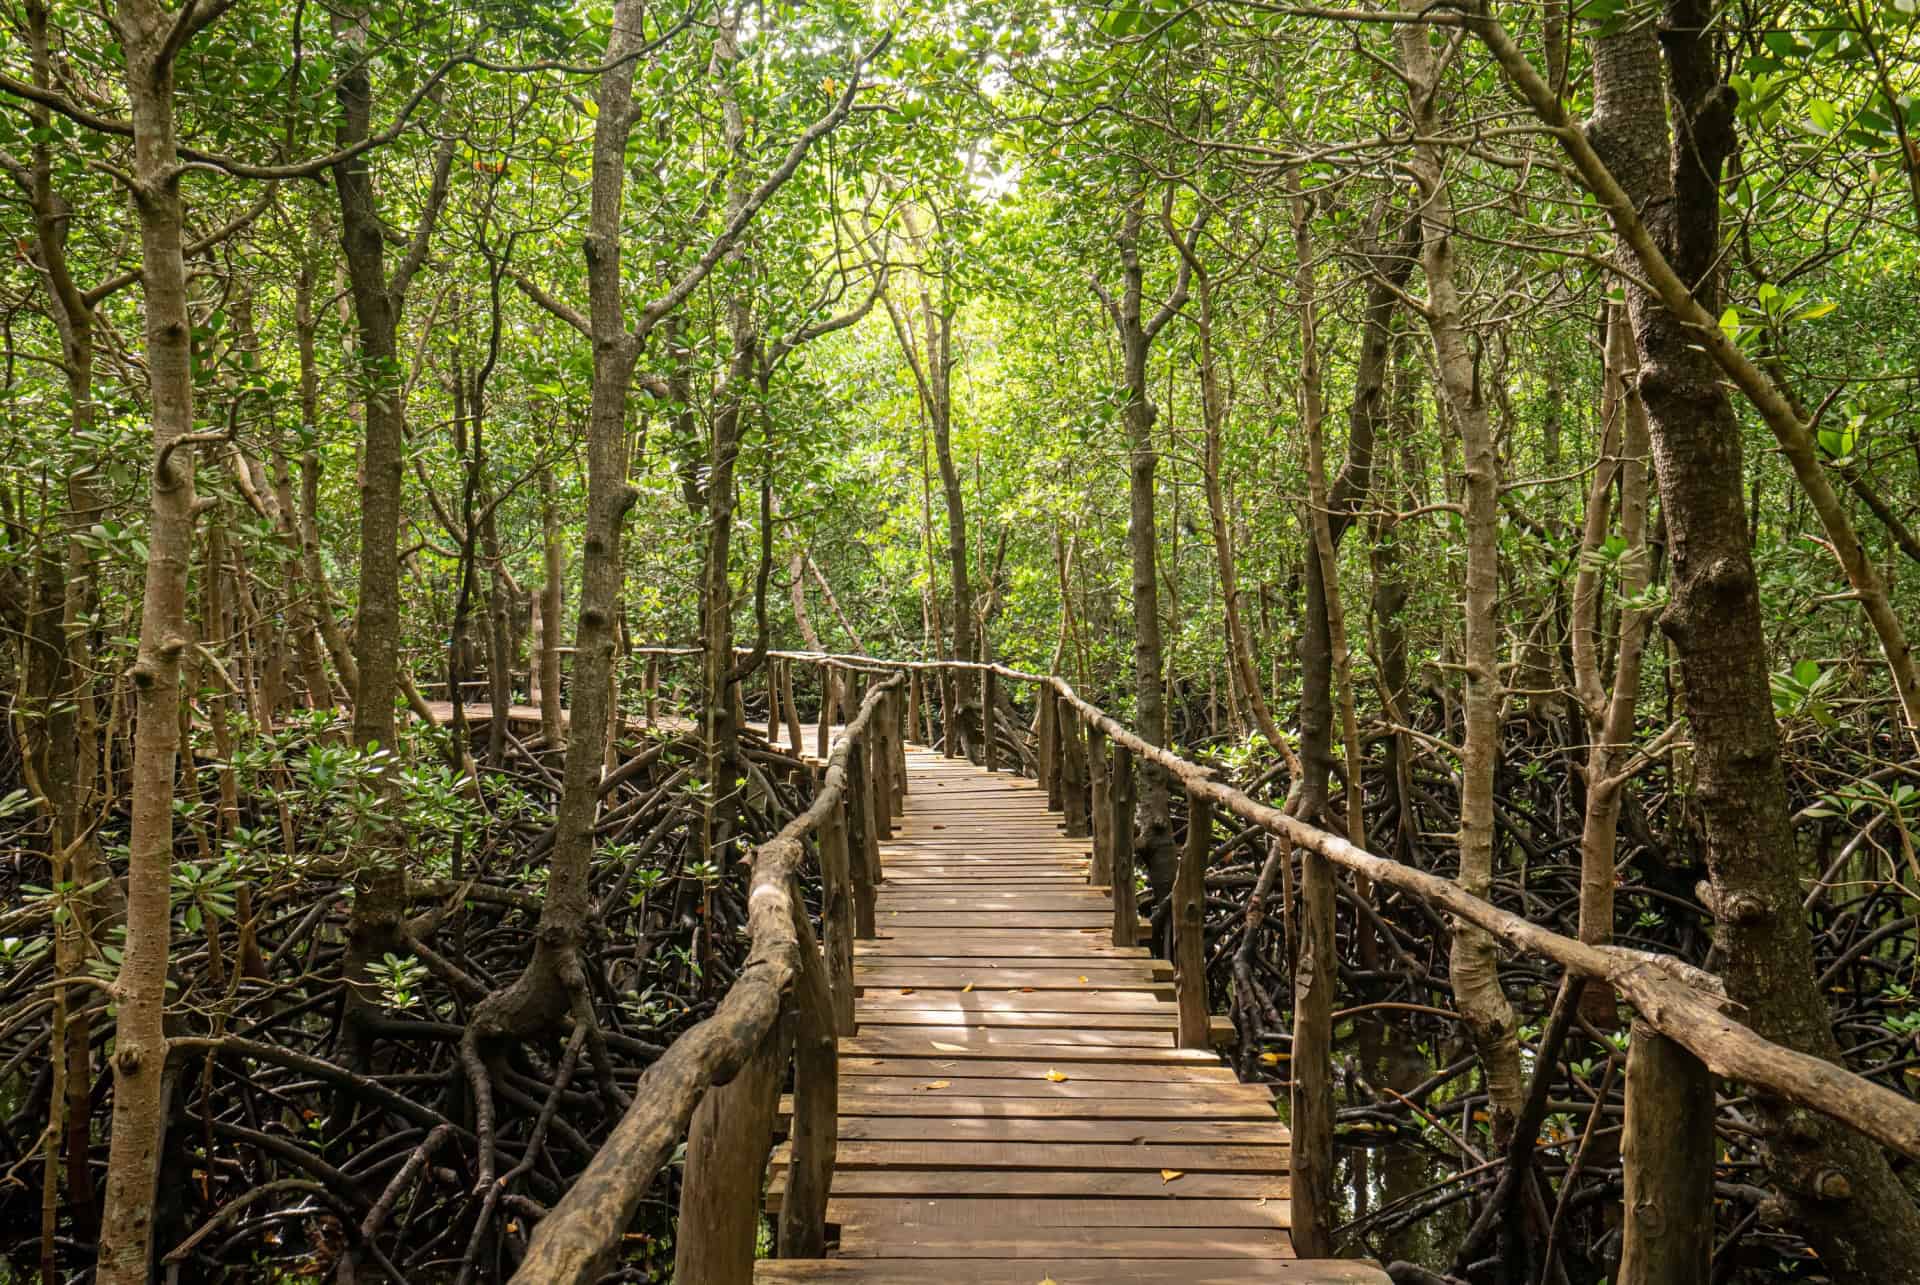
1610, 715
1475, 961
376, 638
1214, 412
1153, 843
140, 1043
552, 592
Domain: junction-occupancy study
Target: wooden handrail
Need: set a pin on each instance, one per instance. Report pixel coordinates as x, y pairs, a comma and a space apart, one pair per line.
1682, 1002
783, 967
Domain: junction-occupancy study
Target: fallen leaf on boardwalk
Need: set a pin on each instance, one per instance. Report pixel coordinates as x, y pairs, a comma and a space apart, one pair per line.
950, 1048
1168, 1175
1055, 1076
1048, 1280
1261, 1201
1026, 990
1083, 981
968, 987
938, 1084
906, 990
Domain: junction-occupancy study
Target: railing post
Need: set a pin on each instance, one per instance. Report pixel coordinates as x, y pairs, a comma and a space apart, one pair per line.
727, 1146
773, 702
879, 825
794, 735
823, 738
652, 684
1100, 872
873, 746
915, 695
1120, 793
1667, 1153
837, 914
859, 827
897, 743
815, 1130
1311, 1070
1190, 923
1073, 759
989, 700
1051, 767
949, 714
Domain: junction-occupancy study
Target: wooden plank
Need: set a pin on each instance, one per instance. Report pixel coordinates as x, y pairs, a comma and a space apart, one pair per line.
1047, 1184
950, 1155
1063, 975
1071, 1271
934, 1065
1042, 1096
926, 1103
999, 1041
1124, 1132
869, 1213
992, 919
948, 1243
901, 1021
964, 1004
1068, 1271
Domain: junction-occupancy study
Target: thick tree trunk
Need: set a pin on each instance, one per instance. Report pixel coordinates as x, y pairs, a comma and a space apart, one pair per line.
1837, 1186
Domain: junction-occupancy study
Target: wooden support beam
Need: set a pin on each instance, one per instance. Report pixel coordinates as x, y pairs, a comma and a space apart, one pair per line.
823, 738
1100, 868
1667, 1154
897, 739
727, 1147
949, 713
773, 702
859, 831
1050, 747
816, 1104
989, 701
914, 698
837, 913
794, 736
1190, 922
1073, 789
1311, 1069
1121, 794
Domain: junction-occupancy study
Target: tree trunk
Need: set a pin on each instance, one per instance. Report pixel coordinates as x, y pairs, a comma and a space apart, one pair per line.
552, 593
1474, 961
1838, 1188
140, 1043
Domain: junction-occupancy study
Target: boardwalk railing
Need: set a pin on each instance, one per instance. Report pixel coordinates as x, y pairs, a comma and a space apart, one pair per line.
1088, 763
717, 1085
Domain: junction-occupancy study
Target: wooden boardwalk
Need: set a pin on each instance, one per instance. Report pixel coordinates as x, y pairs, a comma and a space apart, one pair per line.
1013, 1108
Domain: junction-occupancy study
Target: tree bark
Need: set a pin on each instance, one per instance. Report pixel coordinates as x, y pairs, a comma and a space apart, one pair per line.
140, 1043
1153, 841
1474, 963
1838, 1188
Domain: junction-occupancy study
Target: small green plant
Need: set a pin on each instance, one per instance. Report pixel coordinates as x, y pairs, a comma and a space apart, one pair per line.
400, 980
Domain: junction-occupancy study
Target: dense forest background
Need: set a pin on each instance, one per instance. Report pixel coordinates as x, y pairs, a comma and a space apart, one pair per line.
1489, 428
